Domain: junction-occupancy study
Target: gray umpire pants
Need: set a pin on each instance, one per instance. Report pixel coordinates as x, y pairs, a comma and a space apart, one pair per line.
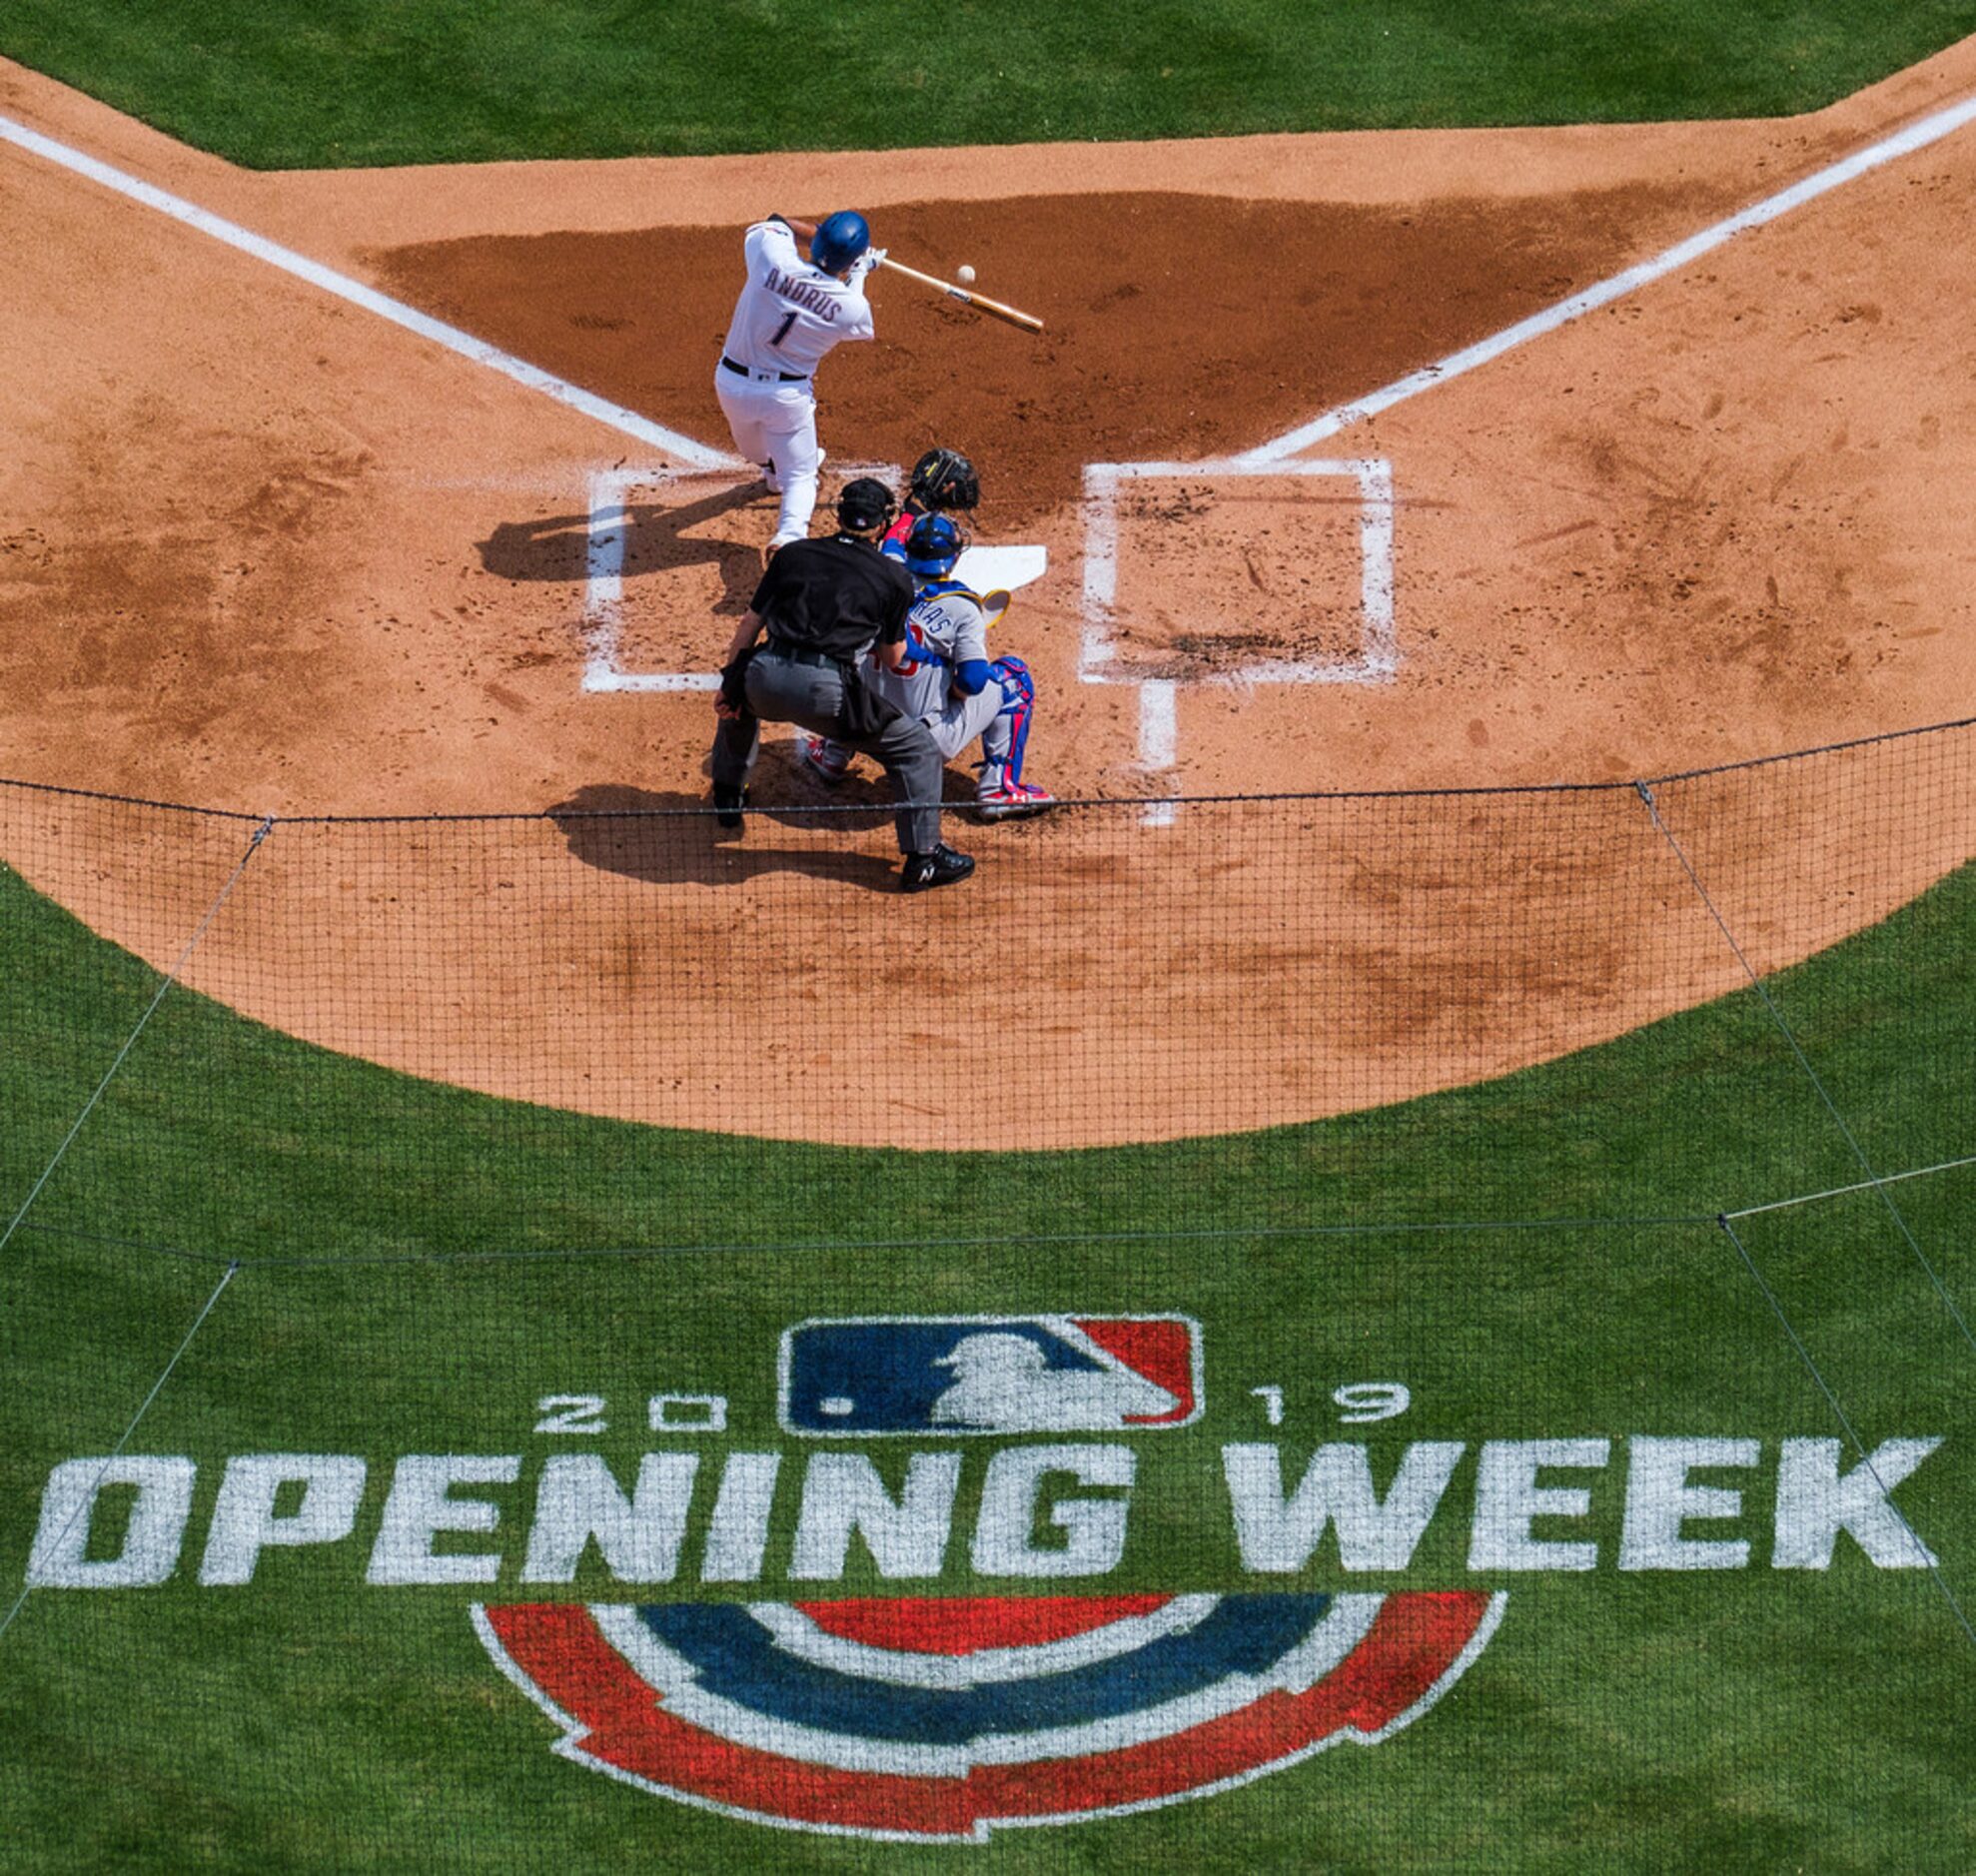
782, 690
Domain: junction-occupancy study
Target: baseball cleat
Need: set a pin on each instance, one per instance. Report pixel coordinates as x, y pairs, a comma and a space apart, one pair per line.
815, 754
727, 806
1014, 798
942, 867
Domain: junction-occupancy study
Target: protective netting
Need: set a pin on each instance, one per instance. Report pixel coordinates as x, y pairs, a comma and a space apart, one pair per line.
767, 1010
906, 1366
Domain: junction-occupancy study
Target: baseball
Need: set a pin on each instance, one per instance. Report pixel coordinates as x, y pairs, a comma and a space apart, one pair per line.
965, 275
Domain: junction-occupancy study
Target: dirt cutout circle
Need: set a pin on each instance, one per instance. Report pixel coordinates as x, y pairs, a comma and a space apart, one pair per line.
268, 550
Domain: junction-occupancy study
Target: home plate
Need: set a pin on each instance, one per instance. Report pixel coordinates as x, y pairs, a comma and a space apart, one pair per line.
982, 569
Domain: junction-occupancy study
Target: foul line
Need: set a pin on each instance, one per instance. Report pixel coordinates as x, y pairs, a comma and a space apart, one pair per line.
1903, 143
630, 422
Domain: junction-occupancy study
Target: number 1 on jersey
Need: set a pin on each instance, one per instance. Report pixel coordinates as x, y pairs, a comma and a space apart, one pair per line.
782, 330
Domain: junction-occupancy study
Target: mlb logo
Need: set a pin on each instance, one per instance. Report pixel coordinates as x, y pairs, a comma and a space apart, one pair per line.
949, 1375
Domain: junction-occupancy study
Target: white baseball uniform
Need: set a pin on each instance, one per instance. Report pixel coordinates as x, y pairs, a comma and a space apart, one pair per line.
788, 316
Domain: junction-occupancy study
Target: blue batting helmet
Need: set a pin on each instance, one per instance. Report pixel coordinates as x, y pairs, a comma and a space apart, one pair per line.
935, 543
838, 240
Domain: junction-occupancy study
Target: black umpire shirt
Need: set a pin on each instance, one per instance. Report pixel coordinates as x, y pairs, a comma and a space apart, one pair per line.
835, 596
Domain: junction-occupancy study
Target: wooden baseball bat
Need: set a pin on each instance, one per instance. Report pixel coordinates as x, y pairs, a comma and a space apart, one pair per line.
967, 297
979, 302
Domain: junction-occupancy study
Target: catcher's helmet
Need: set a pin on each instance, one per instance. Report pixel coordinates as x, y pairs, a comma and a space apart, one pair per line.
935, 543
864, 505
838, 240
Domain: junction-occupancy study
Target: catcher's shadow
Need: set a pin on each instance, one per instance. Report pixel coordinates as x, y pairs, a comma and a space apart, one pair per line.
656, 539
670, 839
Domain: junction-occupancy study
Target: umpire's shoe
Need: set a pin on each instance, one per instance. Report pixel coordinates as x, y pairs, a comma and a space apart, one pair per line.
727, 806
942, 867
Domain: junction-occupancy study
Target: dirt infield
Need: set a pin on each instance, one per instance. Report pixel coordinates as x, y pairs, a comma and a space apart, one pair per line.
263, 550
1180, 326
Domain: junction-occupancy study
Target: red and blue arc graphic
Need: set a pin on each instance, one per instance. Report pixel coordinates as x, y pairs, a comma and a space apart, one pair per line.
933, 1719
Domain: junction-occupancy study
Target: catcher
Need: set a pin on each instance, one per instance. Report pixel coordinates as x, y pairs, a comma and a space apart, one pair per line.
946, 678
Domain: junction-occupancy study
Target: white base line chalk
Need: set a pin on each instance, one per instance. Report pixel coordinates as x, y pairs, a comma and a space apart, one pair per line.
630, 422
1917, 136
1159, 734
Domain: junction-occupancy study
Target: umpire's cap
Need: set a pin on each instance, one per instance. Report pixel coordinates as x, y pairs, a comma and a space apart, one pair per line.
864, 505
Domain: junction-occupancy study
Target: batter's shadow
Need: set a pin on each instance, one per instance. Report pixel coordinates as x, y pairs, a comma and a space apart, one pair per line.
668, 839
656, 541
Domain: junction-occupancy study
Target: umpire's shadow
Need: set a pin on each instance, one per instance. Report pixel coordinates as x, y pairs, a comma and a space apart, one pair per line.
655, 539
668, 839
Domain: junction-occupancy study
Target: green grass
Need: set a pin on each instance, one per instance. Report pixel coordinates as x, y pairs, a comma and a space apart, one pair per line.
1740, 1719
1756, 1719
353, 82
231, 1140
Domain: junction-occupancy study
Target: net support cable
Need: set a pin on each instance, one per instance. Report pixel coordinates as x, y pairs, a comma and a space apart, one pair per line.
1844, 1191
1873, 1179
116, 1451
130, 1042
1361, 1228
1852, 1433
1375, 1228
886, 808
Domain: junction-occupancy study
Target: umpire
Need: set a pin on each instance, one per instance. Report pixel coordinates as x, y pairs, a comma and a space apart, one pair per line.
823, 602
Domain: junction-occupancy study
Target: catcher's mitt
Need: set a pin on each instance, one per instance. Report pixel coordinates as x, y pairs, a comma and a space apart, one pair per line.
943, 480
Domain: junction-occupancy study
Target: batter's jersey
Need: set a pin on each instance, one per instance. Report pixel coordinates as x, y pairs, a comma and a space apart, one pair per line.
789, 313
946, 627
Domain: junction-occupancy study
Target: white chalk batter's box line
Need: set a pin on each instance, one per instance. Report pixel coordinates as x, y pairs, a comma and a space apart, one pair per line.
603, 587
1377, 657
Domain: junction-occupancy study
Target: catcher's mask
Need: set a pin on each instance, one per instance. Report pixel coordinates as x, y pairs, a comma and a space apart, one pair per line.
838, 240
944, 478
935, 543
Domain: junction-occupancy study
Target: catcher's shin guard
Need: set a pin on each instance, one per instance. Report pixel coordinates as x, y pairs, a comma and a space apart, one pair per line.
1008, 735
1002, 791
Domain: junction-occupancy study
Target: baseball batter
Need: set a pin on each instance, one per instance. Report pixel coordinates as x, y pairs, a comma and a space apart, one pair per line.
947, 681
791, 311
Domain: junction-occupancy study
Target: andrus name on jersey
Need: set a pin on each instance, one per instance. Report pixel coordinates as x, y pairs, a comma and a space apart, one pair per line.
811, 298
